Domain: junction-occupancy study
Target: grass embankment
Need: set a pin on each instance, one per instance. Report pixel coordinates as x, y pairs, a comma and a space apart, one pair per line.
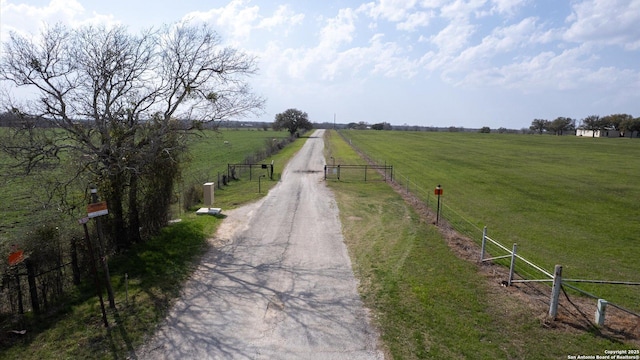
156, 271
563, 199
428, 303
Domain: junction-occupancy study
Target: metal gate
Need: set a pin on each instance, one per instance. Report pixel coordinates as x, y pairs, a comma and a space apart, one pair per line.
359, 172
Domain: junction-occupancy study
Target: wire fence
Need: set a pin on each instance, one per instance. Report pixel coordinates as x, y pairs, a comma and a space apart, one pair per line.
521, 270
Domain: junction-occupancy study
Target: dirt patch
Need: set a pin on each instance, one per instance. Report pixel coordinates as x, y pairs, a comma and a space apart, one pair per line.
235, 221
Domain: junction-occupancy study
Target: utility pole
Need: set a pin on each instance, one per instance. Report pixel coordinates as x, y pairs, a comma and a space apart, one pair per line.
102, 254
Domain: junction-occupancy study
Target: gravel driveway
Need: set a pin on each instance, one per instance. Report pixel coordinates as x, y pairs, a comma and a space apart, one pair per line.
279, 284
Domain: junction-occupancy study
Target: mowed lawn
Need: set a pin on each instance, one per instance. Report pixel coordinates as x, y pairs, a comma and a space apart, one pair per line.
565, 200
426, 302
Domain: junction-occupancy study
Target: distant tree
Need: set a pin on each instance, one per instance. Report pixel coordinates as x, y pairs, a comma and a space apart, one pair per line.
292, 120
358, 126
616, 121
630, 125
539, 125
381, 126
502, 130
561, 125
485, 130
593, 123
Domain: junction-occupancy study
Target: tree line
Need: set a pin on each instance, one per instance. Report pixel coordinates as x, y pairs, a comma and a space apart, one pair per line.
624, 123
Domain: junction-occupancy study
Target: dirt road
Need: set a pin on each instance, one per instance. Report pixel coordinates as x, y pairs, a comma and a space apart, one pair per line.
279, 285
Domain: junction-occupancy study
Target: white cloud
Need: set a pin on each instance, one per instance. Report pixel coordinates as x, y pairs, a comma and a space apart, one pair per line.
237, 18
571, 69
390, 10
504, 39
605, 22
282, 16
454, 36
24, 18
507, 7
310, 62
338, 30
415, 20
514, 46
380, 57
462, 9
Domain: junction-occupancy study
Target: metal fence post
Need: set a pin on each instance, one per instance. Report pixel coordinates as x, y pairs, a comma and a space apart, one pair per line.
484, 242
513, 263
555, 291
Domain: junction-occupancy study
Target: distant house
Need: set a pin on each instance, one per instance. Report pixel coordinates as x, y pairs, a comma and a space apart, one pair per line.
598, 133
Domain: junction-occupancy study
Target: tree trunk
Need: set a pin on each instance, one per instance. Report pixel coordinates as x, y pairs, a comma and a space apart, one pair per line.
19, 288
33, 289
118, 225
134, 215
75, 267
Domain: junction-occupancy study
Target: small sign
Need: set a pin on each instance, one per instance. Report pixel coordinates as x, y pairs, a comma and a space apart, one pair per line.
16, 257
97, 209
438, 191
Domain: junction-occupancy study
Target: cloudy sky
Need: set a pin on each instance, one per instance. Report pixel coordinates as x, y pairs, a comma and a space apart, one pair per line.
469, 63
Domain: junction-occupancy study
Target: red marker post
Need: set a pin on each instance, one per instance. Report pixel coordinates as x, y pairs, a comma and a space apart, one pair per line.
438, 192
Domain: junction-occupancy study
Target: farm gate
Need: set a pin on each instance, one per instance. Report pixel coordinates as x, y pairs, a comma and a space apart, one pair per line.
238, 171
358, 172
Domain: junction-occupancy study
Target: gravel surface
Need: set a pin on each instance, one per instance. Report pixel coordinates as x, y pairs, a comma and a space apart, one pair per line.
278, 283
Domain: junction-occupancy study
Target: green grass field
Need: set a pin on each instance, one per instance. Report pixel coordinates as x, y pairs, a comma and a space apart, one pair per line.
565, 200
427, 302
20, 206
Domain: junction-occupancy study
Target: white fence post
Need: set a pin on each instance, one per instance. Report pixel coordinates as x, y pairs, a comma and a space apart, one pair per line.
602, 307
484, 241
513, 263
555, 292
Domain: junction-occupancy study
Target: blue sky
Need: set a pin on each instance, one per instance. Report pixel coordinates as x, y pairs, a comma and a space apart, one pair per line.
468, 63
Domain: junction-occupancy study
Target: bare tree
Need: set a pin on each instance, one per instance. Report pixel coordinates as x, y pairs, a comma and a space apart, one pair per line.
121, 105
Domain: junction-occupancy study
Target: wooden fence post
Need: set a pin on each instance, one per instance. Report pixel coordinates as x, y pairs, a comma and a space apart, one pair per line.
555, 292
